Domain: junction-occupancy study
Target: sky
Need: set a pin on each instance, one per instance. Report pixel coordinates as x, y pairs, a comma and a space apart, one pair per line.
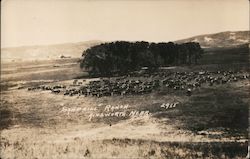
42, 22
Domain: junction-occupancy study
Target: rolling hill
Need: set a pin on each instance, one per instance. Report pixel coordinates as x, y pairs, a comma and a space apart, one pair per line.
74, 50
219, 40
46, 51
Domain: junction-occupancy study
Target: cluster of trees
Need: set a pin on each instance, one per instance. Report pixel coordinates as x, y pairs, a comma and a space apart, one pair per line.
123, 57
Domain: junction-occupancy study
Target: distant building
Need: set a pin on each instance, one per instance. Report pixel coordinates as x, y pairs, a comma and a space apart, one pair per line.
63, 57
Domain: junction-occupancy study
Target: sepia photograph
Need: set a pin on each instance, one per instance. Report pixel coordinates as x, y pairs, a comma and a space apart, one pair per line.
124, 79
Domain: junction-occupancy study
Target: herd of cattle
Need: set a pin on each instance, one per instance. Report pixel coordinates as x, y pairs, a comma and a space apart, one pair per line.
135, 84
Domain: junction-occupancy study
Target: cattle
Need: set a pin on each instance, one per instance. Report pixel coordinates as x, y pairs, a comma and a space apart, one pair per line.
189, 92
55, 91
75, 82
31, 88
146, 83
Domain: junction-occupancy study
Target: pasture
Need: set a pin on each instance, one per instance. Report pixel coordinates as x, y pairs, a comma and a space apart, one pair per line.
211, 122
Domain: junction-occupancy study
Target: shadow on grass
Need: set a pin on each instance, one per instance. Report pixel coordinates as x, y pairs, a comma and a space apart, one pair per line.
10, 117
5, 118
32, 119
214, 108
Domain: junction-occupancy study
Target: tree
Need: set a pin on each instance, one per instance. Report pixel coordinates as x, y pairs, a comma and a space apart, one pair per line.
123, 57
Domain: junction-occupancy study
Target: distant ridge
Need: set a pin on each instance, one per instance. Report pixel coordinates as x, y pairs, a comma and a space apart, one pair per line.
47, 51
222, 39
75, 50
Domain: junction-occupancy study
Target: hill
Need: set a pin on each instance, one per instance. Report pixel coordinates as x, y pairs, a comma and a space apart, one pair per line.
222, 39
46, 51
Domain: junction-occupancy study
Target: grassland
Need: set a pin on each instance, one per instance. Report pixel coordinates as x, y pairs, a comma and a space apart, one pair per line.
212, 123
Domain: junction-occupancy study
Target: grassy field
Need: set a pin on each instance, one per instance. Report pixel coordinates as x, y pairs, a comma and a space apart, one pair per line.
211, 123
61, 69
226, 56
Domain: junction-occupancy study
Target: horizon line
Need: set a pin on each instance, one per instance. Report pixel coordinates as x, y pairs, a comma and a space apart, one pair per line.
92, 40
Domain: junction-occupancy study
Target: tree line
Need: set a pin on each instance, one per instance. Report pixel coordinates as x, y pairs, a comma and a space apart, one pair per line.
123, 56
